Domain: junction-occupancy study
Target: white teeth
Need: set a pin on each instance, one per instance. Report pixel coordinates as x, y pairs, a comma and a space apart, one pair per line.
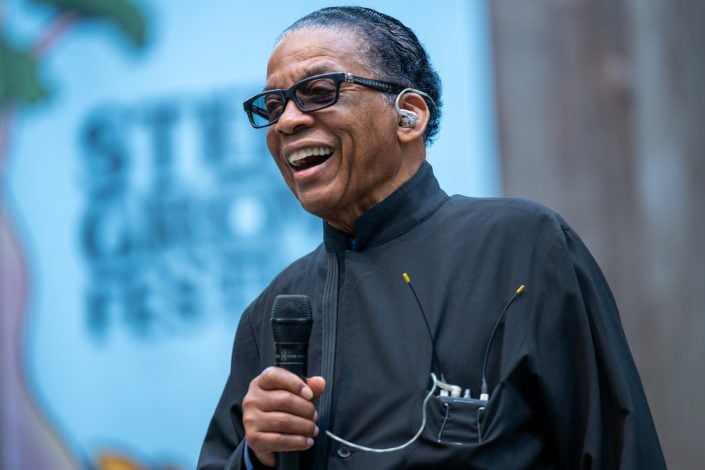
299, 155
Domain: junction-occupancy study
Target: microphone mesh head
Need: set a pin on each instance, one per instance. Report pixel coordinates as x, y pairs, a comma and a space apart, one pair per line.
291, 319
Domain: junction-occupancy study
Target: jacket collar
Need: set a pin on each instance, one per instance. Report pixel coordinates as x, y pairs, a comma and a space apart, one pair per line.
412, 203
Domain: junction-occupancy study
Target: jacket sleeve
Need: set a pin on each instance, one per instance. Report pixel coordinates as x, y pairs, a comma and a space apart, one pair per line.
223, 446
595, 410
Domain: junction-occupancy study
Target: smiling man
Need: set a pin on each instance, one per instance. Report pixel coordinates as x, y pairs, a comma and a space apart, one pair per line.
507, 352
344, 159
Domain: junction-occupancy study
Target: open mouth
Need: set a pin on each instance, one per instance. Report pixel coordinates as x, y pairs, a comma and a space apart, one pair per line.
309, 157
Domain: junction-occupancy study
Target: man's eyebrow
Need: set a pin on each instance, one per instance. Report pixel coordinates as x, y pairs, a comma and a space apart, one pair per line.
323, 68
310, 72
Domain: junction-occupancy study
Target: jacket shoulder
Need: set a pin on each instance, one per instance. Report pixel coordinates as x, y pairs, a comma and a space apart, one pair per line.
505, 212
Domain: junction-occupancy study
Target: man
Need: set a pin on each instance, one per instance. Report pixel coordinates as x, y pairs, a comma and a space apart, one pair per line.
543, 374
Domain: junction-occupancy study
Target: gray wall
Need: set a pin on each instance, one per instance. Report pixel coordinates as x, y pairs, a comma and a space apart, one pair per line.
602, 117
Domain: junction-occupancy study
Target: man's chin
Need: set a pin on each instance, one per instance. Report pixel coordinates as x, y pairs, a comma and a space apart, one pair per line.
316, 203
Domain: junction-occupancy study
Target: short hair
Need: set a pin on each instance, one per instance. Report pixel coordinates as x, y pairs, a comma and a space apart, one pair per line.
395, 53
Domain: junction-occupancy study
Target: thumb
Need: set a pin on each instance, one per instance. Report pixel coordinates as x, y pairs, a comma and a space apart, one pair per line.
317, 385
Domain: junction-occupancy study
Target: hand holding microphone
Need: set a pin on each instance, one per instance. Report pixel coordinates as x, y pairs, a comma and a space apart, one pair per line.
278, 410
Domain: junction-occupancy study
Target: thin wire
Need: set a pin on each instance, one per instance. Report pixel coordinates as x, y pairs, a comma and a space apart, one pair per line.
412, 90
400, 447
434, 354
484, 394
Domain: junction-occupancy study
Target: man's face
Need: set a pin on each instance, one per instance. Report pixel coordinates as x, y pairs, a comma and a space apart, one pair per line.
355, 158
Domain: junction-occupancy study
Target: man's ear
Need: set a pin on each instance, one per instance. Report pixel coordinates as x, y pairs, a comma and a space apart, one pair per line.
414, 114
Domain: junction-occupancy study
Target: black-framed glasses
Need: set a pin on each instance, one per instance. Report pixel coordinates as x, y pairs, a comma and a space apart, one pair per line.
310, 94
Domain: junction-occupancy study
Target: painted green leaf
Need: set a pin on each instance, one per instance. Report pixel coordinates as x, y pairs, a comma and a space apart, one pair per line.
122, 13
20, 82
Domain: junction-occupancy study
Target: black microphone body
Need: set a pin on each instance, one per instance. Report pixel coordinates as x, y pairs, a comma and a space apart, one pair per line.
291, 327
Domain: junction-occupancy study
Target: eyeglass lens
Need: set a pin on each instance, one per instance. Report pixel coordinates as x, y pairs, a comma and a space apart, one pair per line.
309, 95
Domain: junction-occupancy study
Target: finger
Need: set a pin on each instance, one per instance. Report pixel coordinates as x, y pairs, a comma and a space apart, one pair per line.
281, 401
317, 385
276, 378
266, 442
281, 423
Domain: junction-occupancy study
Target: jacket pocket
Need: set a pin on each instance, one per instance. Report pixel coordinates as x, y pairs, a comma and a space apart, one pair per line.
455, 421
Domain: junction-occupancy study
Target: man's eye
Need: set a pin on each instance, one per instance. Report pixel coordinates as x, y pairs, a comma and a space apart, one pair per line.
318, 90
273, 104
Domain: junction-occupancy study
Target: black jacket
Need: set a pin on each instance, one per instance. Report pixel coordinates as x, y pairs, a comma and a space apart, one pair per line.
564, 390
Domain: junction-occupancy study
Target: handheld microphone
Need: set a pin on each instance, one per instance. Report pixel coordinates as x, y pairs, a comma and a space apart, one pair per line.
291, 327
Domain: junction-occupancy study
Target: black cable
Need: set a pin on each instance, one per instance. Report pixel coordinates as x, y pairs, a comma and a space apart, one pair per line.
483, 390
434, 358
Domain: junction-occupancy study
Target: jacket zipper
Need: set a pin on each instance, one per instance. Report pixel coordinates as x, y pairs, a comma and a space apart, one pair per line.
329, 318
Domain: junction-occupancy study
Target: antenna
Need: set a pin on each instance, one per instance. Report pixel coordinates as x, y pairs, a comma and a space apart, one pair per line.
436, 366
484, 395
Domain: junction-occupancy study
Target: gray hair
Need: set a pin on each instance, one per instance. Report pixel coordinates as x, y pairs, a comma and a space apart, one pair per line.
395, 53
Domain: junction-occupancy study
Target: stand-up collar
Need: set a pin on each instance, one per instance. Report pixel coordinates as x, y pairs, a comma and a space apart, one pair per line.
412, 203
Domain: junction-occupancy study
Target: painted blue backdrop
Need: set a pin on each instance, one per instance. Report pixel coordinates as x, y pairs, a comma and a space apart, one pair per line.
150, 213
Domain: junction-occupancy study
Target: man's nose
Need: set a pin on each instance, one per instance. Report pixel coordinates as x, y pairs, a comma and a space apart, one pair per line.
292, 118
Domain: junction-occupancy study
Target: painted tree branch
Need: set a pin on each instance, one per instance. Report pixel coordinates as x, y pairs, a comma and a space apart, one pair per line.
6, 113
60, 24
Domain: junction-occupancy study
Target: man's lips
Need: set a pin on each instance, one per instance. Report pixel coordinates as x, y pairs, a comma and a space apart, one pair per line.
308, 157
